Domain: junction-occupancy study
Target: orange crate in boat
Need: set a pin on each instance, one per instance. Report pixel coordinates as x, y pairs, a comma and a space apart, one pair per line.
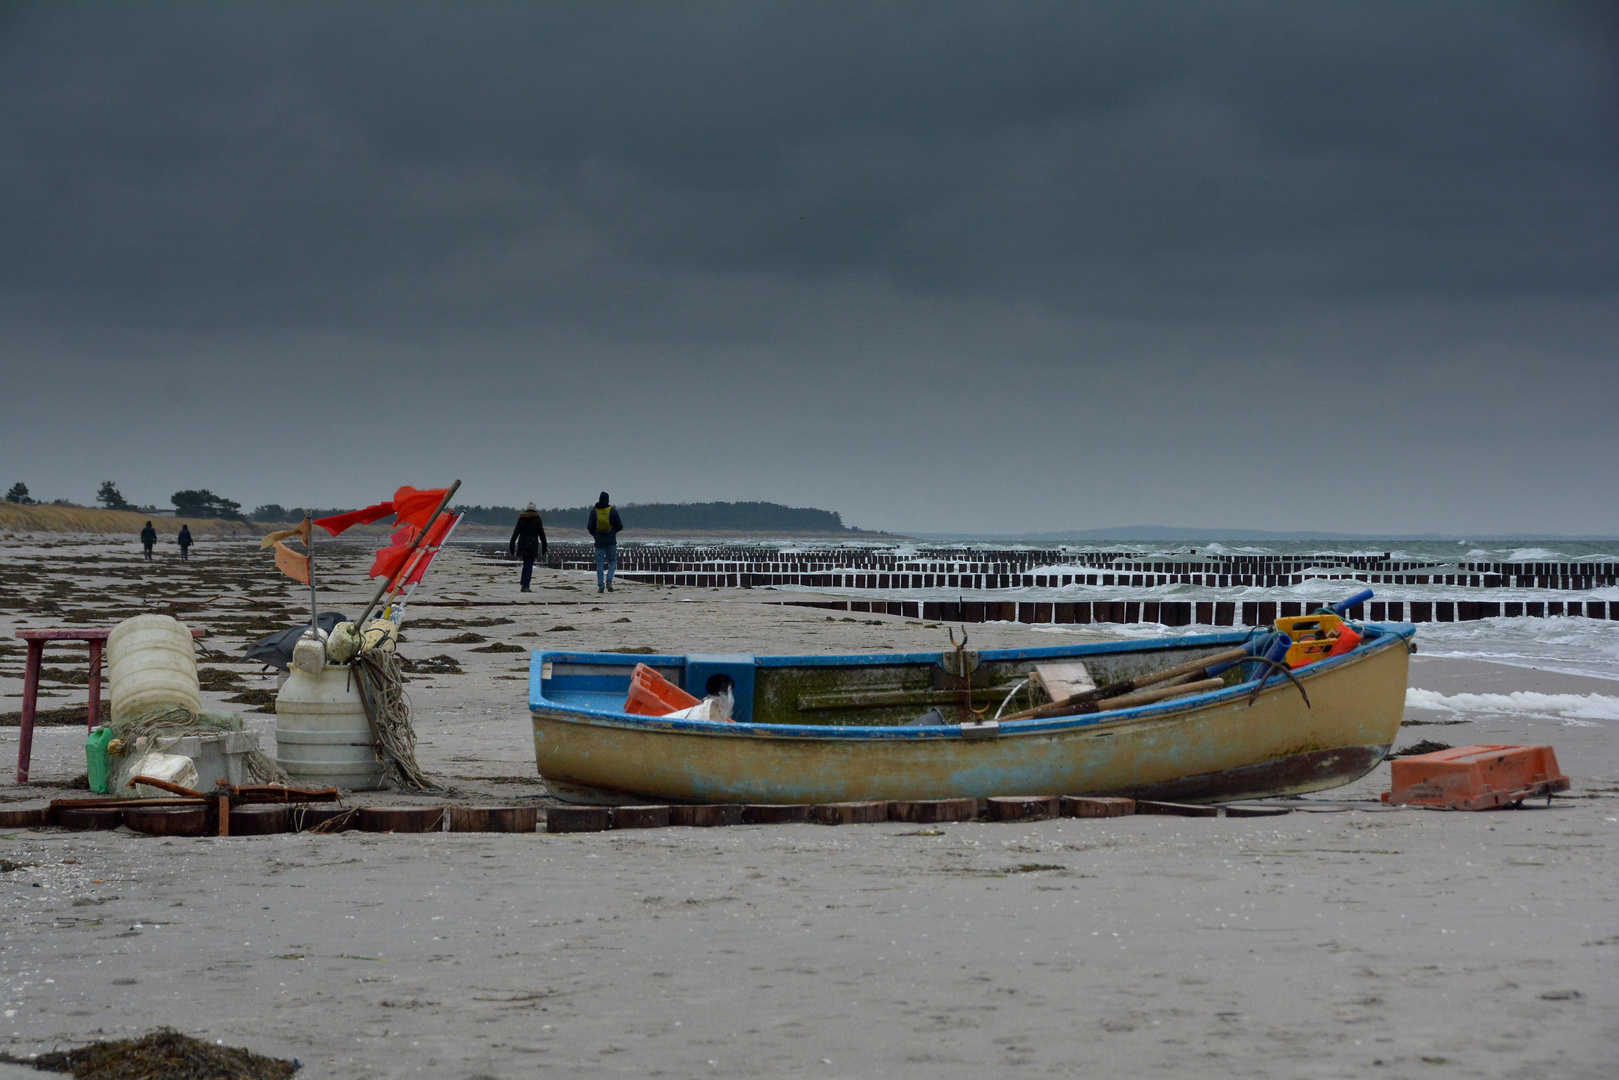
1475, 777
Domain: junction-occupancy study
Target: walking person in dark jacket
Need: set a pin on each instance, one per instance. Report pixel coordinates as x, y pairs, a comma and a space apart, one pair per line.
528, 541
185, 543
148, 538
603, 523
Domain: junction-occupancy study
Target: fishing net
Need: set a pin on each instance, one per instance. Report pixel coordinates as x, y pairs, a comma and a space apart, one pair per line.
382, 691
171, 720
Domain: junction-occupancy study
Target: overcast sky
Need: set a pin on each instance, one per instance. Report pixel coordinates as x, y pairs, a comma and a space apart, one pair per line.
940, 267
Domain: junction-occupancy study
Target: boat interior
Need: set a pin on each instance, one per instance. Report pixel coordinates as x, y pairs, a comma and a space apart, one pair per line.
879, 690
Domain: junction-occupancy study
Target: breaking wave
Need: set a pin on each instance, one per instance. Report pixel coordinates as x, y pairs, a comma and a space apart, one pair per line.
1578, 709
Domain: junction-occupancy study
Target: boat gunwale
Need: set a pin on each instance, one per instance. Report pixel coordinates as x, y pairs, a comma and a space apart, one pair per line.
1390, 635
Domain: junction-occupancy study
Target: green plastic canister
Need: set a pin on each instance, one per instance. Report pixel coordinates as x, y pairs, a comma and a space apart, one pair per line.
97, 761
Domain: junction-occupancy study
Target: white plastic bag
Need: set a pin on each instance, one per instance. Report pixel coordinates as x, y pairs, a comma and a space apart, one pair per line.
174, 768
716, 708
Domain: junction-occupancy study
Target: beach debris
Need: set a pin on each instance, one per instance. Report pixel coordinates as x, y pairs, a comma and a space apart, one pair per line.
1426, 746
157, 773
164, 1053
1475, 777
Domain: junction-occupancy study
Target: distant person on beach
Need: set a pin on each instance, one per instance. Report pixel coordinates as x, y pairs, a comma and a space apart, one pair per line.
148, 538
528, 541
185, 543
604, 524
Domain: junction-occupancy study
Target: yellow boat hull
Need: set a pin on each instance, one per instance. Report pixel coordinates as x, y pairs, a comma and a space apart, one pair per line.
1216, 747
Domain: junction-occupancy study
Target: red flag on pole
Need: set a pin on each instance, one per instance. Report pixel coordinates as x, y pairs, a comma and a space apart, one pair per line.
338, 522
391, 559
416, 507
435, 540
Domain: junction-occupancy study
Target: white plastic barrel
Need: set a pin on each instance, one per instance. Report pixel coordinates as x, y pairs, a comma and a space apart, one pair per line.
151, 663
322, 737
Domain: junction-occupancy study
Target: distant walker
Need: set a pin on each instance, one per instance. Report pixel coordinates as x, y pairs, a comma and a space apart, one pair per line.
148, 538
528, 541
184, 540
604, 524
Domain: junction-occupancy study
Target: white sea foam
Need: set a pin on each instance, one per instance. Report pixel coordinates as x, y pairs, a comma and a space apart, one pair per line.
1575, 709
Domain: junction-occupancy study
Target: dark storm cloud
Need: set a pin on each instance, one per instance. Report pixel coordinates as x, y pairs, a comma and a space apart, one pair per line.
342, 164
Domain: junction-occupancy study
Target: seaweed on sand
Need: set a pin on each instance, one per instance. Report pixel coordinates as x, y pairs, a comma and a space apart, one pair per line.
164, 1054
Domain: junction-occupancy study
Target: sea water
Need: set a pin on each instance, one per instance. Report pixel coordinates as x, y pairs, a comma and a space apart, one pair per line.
1573, 646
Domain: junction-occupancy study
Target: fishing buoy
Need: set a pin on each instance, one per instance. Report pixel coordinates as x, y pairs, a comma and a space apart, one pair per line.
344, 643
379, 635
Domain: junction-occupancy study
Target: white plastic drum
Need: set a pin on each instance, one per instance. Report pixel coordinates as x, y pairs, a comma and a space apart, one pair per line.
322, 737
151, 664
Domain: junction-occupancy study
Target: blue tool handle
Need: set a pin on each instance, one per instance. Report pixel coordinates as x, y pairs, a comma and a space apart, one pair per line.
1278, 649
1343, 606
1216, 670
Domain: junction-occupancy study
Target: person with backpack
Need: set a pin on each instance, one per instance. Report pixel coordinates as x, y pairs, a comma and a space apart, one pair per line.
148, 538
603, 523
528, 541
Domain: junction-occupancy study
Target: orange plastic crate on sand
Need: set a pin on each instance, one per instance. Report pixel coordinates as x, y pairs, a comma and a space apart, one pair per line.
1475, 777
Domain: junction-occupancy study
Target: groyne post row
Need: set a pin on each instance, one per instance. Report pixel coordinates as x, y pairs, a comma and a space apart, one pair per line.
743, 566
1208, 612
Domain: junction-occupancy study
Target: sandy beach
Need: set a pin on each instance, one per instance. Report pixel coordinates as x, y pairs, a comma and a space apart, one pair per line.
1343, 940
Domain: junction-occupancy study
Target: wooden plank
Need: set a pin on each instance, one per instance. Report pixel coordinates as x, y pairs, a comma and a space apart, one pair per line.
707, 816
1095, 806
1063, 680
776, 813
325, 819
932, 811
259, 820
402, 819
1023, 807
1150, 806
25, 817
851, 813
90, 817
493, 819
640, 817
572, 819
168, 820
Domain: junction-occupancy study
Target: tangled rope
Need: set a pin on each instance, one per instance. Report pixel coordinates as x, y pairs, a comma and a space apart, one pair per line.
382, 691
177, 720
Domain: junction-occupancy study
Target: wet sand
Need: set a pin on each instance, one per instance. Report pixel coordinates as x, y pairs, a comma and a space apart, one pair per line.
1343, 940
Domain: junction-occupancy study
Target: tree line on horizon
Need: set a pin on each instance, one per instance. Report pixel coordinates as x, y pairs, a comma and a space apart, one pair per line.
668, 517
191, 503
665, 517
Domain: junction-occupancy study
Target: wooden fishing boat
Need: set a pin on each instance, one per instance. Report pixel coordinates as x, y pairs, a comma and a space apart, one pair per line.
819, 729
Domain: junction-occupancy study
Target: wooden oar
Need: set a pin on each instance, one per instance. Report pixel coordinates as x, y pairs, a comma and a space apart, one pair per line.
1070, 705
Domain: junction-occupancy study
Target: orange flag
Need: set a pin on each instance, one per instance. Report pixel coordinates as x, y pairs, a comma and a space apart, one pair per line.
290, 563
414, 507
301, 532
